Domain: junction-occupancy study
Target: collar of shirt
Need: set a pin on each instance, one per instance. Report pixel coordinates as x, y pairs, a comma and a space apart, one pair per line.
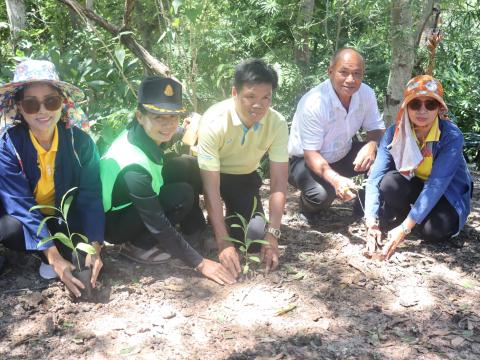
237, 122
39, 148
433, 133
335, 101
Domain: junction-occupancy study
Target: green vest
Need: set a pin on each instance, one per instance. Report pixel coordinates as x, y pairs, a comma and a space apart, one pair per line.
120, 155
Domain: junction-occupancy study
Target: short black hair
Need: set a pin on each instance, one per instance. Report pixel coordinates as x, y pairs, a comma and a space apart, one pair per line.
254, 71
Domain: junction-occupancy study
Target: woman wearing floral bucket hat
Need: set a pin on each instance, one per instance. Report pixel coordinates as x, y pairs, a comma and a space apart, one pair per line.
420, 177
42, 156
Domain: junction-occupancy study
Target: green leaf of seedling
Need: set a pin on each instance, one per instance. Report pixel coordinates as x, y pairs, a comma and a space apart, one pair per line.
245, 269
242, 248
231, 239
236, 226
254, 258
45, 240
82, 237
65, 240
89, 249
254, 207
263, 242
64, 197
42, 223
39, 207
66, 206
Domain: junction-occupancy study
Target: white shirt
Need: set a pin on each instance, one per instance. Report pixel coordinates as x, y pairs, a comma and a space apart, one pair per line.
321, 123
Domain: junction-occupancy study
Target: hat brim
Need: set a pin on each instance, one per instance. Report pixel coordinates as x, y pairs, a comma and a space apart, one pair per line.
68, 89
164, 109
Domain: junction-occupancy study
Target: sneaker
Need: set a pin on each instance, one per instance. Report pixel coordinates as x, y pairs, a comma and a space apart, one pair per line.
46, 272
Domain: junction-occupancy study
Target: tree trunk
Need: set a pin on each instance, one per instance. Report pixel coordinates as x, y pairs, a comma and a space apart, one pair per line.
16, 18
302, 48
404, 31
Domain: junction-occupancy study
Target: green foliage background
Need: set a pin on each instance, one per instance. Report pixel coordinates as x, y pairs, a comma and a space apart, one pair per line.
201, 41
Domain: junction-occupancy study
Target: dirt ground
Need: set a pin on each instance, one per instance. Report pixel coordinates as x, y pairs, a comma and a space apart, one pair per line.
336, 304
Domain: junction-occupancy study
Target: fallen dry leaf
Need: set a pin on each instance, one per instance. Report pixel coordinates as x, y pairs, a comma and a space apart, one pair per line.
285, 309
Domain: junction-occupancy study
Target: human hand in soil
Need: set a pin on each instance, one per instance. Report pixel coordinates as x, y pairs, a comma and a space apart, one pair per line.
365, 157
344, 187
63, 268
228, 257
216, 272
95, 262
395, 238
269, 254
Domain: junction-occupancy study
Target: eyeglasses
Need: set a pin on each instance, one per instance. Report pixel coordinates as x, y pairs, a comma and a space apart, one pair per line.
32, 105
430, 104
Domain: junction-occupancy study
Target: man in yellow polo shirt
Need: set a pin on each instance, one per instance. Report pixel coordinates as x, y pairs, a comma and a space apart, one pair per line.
234, 135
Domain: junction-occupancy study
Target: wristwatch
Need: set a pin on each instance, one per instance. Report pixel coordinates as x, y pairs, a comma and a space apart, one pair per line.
275, 232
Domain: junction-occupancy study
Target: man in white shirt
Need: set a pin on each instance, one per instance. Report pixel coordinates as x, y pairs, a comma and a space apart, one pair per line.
323, 154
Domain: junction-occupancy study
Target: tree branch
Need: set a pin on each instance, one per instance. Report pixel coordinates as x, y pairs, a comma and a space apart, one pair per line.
127, 15
151, 64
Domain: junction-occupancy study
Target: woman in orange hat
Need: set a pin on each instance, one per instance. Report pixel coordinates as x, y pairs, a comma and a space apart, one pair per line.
420, 177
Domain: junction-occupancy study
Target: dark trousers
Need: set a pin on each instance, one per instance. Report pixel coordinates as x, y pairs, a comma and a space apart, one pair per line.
179, 197
11, 235
238, 192
318, 193
398, 194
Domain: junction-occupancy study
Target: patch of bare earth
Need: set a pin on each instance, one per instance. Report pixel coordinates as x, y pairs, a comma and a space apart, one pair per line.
326, 301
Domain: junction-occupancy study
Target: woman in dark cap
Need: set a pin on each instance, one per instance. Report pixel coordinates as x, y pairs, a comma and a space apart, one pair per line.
151, 203
420, 177
42, 156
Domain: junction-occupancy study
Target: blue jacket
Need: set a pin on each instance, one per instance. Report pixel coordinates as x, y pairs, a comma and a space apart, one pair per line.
449, 176
76, 164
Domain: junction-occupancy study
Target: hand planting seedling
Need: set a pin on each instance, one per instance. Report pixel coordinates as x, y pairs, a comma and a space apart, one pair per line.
245, 245
68, 240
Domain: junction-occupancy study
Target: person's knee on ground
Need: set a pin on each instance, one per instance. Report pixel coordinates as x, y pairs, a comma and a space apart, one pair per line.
177, 200
439, 226
256, 231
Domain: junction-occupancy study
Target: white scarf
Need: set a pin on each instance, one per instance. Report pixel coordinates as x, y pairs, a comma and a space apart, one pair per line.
404, 148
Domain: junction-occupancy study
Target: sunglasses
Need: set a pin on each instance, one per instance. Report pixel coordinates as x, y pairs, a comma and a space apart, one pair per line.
430, 105
32, 105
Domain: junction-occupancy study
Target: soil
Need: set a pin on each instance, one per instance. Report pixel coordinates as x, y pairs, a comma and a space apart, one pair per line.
326, 301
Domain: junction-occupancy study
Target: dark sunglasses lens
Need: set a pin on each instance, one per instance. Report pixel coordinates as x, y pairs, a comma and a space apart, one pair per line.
53, 103
31, 106
415, 104
431, 105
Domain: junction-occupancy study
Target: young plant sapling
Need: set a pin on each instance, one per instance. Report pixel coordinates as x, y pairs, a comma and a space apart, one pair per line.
245, 245
67, 240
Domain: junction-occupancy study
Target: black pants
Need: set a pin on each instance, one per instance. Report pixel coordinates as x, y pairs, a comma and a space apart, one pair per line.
238, 192
11, 235
316, 192
398, 194
179, 197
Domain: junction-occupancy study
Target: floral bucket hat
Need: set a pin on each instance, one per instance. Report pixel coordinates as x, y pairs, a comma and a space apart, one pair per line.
42, 71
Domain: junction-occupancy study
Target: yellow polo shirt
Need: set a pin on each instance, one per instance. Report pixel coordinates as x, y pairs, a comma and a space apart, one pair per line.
226, 145
425, 168
45, 190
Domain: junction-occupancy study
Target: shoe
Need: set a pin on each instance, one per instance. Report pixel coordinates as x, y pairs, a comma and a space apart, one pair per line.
155, 255
46, 271
312, 219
